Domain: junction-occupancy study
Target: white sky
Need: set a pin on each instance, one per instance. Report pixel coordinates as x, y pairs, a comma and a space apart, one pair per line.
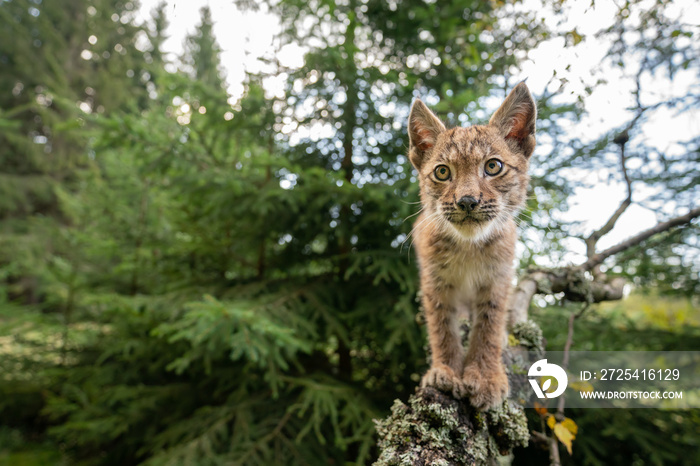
245, 37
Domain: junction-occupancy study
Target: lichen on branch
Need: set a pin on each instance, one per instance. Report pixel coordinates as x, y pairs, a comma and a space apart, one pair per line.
436, 429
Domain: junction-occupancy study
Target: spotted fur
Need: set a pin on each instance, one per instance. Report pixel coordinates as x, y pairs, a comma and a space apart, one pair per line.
466, 251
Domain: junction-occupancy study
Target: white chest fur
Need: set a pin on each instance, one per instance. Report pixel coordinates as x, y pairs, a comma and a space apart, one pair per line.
468, 272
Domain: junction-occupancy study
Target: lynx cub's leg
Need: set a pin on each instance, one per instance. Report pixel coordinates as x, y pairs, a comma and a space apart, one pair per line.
484, 375
445, 372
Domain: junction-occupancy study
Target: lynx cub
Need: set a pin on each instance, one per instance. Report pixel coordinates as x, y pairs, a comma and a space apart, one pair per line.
472, 182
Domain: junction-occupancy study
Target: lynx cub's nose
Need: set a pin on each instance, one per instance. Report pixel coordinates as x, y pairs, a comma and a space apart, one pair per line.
467, 203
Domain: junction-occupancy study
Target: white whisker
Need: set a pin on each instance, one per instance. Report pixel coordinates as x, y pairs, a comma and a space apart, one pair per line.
413, 215
417, 228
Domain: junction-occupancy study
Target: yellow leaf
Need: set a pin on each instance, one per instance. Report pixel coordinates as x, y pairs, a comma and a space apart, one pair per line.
551, 421
564, 436
581, 386
512, 341
570, 426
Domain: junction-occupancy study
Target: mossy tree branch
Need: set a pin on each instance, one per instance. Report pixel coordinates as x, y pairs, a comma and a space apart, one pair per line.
434, 428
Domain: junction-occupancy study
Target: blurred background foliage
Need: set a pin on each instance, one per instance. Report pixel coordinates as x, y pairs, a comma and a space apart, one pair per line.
185, 279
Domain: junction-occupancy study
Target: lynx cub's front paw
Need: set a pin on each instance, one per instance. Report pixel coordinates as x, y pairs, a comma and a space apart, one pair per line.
486, 388
444, 378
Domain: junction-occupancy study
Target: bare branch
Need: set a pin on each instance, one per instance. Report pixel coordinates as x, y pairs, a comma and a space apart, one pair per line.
522, 295
554, 459
567, 350
637, 239
570, 281
624, 170
539, 437
621, 139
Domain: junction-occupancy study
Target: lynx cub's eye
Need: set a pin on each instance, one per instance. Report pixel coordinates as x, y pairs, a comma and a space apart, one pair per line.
493, 167
442, 172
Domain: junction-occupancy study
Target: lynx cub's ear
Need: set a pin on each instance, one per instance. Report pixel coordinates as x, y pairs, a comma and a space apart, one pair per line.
423, 130
515, 119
